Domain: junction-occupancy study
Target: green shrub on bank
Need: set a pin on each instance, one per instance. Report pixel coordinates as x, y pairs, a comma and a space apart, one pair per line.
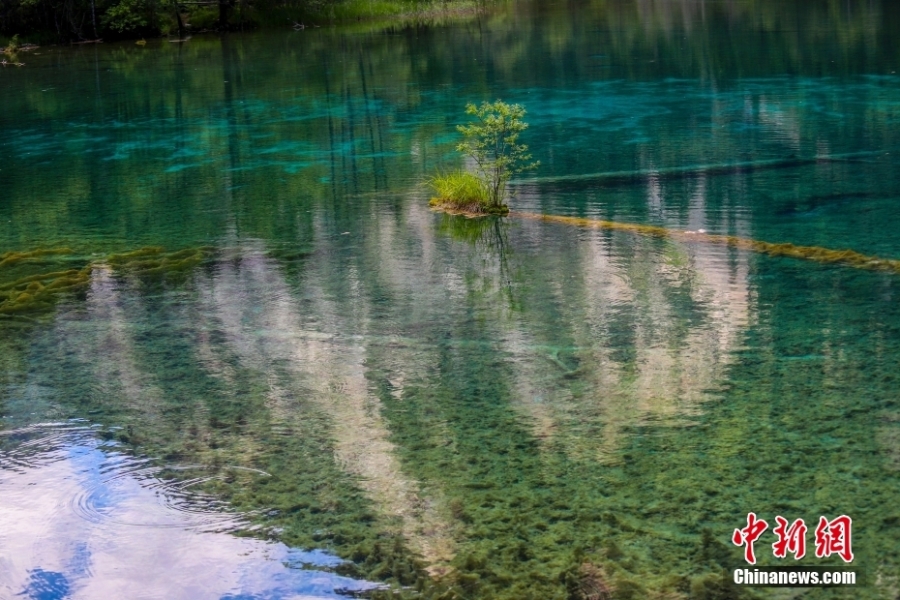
12, 46
365, 13
204, 18
118, 19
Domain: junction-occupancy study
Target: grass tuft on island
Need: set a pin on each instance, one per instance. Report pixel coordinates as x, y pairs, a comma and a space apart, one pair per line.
463, 192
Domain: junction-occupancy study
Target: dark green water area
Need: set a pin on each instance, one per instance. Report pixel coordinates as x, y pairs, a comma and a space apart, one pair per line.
217, 262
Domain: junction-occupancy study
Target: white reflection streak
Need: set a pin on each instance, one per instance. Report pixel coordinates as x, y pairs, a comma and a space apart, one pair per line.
669, 373
109, 353
258, 312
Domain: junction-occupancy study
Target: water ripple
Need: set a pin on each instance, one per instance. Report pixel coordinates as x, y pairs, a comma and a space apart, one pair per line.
178, 504
117, 477
40, 444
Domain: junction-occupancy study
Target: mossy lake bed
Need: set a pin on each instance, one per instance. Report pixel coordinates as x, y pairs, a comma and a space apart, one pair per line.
242, 357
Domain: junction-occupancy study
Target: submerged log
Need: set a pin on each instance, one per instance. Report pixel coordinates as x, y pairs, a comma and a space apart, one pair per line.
690, 171
849, 258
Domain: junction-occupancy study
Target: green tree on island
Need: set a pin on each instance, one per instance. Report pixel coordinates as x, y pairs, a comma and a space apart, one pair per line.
492, 142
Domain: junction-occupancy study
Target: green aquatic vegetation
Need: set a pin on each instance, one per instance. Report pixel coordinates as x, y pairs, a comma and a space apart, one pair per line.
70, 280
53, 275
11, 258
528, 518
38, 292
24, 281
129, 257
153, 262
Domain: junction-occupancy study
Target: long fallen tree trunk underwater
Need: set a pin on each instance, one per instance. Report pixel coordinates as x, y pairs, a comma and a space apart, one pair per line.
686, 172
849, 258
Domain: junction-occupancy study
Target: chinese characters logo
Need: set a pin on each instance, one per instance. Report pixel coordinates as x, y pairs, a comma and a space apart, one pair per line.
831, 537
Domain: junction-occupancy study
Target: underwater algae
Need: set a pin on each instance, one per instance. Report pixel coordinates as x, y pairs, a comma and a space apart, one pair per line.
10, 258
38, 292
155, 262
532, 522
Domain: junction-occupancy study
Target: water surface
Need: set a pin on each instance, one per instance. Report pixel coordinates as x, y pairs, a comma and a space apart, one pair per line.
260, 315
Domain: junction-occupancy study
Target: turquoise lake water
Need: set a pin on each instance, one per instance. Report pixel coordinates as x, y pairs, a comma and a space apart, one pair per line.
240, 357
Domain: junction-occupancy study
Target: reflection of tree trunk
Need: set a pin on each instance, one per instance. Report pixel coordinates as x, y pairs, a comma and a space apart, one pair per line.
97, 174
351, 121
179, 107
330, 133
229, 73
365, 91
97, 81
223, 14
178, 18
94, 19
503, 259
73, 20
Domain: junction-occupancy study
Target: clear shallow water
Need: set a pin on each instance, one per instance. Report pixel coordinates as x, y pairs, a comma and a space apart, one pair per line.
471, 409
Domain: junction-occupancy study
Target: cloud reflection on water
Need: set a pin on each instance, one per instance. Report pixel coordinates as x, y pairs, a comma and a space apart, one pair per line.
80, 522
